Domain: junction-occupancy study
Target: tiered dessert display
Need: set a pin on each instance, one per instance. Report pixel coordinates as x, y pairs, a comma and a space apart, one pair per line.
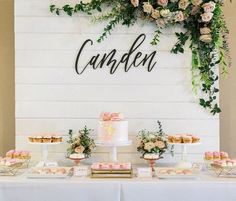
44, 141
220, 163
111, 170
184, 140
13, 161
152, 145
81, 146
112, 132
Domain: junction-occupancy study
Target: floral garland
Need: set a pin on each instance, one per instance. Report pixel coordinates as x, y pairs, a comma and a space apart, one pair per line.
203, 21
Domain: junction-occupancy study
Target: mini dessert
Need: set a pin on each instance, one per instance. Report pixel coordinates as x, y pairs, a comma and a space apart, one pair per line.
56, 139
31, 139
25, 155
151, 156
224, 155
187, 139
170, 138
111, 166
38, 139
47, 139
10, 153
208, 155
216, 155
195, 139
177, 139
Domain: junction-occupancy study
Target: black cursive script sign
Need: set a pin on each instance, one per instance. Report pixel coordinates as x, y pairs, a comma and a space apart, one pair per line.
109, 60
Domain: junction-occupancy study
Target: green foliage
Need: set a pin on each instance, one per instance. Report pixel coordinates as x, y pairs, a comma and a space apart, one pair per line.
209, 50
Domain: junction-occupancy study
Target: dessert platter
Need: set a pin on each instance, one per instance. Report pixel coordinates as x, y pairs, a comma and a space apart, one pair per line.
184, 140
44, 141
220, 163
111, 170
112, 133
13, 162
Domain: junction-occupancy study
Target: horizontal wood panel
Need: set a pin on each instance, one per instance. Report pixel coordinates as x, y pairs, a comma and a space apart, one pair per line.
66, 58
81, 24
202, 128
39, 41
91, 110
95, 93
138, 76
207, 143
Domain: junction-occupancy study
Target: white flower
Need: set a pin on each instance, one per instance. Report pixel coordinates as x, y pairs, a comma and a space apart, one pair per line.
206, 17
161, 23
205, 30
160, 144
86, 1
148, 146
147, 7
209, 7
196, 2
183, 4
151, 136
206, 38
165, 12
155, 14
135, 3
179, 17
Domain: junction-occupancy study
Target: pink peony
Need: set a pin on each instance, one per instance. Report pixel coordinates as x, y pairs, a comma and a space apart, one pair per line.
135, 3
179, 17
162, 3
209, 7
206, 17
116, 116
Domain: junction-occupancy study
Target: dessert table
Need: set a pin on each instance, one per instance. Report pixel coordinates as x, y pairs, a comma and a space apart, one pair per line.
136, 189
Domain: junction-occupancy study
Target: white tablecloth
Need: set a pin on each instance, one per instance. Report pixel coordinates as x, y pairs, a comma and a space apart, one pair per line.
85, 189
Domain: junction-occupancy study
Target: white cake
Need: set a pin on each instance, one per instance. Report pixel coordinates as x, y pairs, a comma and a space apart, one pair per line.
113, 131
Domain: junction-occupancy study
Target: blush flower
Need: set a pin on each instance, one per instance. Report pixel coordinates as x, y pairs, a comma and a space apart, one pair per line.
161, 23
196, 2
209, 7
155, 14
205, 30
160, 144
206, 38
206, 17
162, 3
179, 17
135, 3
79, 149
149, 146
165, 12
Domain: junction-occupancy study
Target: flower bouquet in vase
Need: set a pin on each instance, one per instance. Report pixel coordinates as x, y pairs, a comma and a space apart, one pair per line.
80, 146
153, 144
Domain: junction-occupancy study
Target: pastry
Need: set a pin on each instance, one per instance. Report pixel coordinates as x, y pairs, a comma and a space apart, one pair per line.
224, 155
38, 139
31, 139
170, 138
195, 139
10, 154
56, 139
177, 139
187, 139
47, 139
216, 155
208, 155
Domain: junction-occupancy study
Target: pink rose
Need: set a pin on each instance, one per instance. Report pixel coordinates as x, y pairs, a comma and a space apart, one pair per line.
161, 23
116, 116
105, 116
147, 7
209, 7
135, 3
160, 144
162, 3
179, 17
155, 14
206, 17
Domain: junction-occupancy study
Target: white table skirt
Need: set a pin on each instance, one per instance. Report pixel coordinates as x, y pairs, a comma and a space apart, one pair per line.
86, 189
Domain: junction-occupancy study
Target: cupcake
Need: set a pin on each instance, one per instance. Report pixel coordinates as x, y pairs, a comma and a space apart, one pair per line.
17, 154
10, 154
38, 139
47, 139
195, 139
177, 139
216, 155
31, 139
56, 139
25, 155
170, 138
224, 155
187, 139
208, 155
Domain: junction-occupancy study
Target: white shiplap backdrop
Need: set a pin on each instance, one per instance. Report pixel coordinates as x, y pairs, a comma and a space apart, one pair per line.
51, 97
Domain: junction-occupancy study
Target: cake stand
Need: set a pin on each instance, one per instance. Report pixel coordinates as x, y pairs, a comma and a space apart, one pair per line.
113, 147
184, 162
44, 154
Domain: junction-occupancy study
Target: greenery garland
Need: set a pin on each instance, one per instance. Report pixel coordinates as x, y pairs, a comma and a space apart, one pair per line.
203, 21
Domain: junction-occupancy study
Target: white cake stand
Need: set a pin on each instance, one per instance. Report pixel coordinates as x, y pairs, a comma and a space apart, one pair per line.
184, 162
44, 154
113, 147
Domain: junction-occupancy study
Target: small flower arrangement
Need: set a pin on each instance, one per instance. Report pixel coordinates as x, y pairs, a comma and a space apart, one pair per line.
153, 142
81, 144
